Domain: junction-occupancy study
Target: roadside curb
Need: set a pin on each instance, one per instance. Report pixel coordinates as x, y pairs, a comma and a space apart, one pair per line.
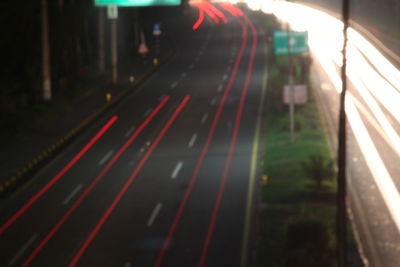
44, 157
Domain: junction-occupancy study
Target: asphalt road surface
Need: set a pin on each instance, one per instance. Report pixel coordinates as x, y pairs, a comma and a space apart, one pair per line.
162, 179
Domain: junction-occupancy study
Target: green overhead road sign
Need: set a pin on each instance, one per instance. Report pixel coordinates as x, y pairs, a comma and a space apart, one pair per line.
298, 42
137, 2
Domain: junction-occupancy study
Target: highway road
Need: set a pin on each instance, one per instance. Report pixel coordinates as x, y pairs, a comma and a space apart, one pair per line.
162, 179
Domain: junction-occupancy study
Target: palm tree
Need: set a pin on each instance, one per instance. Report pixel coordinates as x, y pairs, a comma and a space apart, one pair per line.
318, 170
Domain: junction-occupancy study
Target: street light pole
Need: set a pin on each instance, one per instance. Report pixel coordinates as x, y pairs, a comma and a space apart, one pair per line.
46, 78
101, 41
291, 85
341, 181
114, 51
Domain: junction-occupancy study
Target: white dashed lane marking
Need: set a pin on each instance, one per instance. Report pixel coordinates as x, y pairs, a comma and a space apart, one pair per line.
73, 194
177, 170
204, 118
106, 157
154, 214
192, 140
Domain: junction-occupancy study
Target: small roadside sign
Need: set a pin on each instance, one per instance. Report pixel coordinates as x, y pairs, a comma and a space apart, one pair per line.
143, 49
297, 42
300, 94
157, 30
112, 12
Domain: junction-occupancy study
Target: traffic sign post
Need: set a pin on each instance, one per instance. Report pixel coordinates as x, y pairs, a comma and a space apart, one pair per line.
299, 92
296, 42
112, 12
157, 32
138, 2
157, 29
290, 43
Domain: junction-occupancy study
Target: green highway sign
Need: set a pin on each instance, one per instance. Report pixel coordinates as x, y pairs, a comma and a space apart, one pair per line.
298, 42
137, 2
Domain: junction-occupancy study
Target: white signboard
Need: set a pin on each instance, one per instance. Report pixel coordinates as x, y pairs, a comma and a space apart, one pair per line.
112, 12
300, 94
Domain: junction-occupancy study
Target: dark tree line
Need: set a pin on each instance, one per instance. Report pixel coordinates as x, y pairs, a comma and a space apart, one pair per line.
73, 44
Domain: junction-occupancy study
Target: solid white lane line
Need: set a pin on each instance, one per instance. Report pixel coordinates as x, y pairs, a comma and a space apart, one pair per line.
191, 66
154, 214
204, 118
213, 101
183, 75
225, 77
220, 88
106, 157
192, 140
131, 130
177, 170
22, 250
174, 84
73, 193
148, 112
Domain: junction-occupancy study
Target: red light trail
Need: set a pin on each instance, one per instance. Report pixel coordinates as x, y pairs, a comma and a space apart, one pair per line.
82, 197
128, 183
70, 164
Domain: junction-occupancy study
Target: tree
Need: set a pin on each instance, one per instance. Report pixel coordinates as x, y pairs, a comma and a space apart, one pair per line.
318, 170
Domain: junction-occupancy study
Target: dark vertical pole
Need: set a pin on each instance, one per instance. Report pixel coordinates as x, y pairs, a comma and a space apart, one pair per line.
46, 75
291, 85
341, 198
101, 51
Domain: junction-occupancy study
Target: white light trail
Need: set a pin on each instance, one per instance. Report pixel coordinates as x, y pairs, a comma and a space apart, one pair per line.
373, 76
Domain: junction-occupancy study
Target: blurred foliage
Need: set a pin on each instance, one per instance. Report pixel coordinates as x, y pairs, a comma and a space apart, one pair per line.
318, 169
72, 32
308, 243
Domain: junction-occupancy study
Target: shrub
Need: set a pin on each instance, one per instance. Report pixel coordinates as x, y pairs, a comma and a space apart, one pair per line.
318, 170
307, 243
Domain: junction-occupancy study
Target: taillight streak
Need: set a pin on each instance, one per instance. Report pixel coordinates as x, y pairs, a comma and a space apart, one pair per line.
203, 153
209, 13
76, 204
232, 145
215, 10
67, 167
128, 183
200, 19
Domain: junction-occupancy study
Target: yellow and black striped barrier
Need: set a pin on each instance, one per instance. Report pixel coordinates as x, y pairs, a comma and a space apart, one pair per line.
41, 159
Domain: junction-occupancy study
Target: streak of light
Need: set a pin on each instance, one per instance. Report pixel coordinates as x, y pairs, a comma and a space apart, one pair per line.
210, 13
88, 190
378, 169
232, 146
203, 153
384, 66
131, 179
64, 170
200, 19
377, 80
228, 8
235, 10
216, 11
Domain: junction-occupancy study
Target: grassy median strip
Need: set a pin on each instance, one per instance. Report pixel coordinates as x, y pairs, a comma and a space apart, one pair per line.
297, 213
